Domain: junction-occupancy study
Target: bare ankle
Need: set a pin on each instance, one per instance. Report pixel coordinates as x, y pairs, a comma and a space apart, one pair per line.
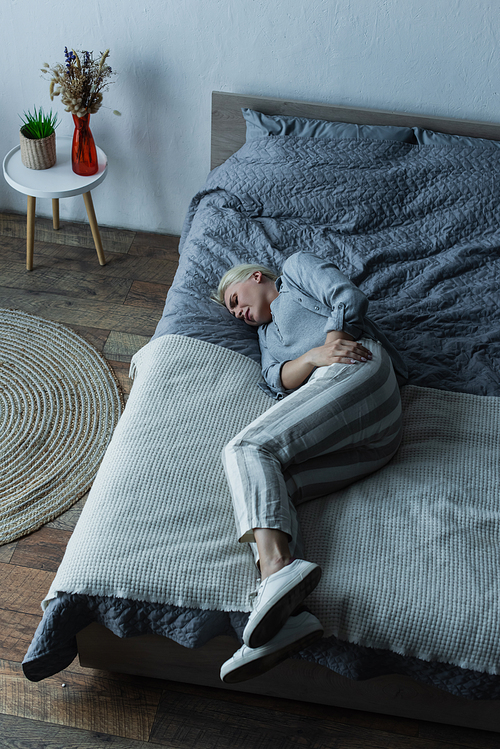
273, 565
274, 552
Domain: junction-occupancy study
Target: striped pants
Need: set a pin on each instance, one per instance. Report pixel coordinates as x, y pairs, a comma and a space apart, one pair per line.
342, 425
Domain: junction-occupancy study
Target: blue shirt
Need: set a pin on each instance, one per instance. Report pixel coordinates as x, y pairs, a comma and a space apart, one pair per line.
314, 298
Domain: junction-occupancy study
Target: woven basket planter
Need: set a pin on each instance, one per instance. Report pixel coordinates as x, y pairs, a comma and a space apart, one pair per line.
38, 153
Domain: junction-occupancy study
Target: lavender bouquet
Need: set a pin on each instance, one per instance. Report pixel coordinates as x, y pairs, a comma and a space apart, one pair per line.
80, 81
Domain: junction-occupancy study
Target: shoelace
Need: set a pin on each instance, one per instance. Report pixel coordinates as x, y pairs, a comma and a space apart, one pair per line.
254, 594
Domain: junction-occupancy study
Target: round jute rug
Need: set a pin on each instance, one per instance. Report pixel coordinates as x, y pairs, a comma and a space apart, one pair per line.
59, 405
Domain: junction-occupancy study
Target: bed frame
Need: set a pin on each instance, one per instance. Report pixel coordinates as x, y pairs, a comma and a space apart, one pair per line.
160, 657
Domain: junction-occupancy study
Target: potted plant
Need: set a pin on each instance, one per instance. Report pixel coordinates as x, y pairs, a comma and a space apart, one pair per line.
38, 139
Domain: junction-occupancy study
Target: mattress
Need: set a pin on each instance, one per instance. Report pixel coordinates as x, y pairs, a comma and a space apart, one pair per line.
415, 227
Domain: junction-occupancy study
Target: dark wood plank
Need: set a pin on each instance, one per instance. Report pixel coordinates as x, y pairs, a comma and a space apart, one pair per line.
20, 733
71, 311
16, 633
70, 233
122, 346
15, 245
47, 255
6, 551
68, 520
155, 245
344, 716
50, 255
185, 721
96, 336
140, 268
460, 737
145, 294
71, 283
123, 708
23, 589
43, 549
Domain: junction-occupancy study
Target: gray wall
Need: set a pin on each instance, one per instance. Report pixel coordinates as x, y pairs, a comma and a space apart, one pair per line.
437, 57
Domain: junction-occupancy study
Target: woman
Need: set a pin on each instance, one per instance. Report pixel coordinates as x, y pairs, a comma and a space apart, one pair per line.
337, 419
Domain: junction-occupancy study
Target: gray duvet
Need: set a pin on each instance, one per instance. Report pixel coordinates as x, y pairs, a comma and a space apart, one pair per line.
417, 229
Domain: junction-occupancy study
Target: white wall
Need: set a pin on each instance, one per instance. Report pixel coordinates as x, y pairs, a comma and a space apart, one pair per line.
427, 56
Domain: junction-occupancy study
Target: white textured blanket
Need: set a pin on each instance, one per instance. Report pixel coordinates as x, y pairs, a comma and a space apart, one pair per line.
409, 555
158, 524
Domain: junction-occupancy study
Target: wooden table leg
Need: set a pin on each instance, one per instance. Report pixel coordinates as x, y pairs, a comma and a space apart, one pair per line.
30, 232
55, 213
87, 197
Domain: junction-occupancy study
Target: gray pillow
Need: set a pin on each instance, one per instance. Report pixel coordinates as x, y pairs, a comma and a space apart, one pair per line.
260, 125
430, 138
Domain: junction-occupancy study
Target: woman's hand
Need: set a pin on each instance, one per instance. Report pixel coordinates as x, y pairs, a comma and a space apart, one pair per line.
339, 347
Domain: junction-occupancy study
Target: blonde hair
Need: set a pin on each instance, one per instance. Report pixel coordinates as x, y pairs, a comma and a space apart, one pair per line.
237, 274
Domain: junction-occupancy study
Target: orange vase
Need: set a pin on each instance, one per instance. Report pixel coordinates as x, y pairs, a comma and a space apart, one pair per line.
83, 151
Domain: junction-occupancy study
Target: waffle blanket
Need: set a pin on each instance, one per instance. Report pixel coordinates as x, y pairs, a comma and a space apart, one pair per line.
158, 523
409, 555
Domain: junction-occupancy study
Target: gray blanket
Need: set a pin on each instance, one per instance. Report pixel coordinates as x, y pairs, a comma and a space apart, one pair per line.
415, 227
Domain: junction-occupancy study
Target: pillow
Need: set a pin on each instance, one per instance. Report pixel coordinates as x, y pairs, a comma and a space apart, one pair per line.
260, 125
430, 138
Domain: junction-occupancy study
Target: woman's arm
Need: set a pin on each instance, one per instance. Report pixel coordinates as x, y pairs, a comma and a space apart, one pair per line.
320, 279
339, 347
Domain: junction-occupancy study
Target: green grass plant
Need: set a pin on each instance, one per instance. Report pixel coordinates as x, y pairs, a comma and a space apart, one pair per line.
37, 124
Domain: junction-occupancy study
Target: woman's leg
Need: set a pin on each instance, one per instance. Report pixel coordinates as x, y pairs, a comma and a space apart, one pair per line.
273, 549
342, 408
340, 426
347, 418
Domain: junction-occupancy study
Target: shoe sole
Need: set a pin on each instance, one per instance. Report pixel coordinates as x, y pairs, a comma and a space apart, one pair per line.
274, 619
261, 665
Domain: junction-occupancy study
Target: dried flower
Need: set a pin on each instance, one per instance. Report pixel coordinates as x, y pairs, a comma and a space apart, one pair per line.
80, 81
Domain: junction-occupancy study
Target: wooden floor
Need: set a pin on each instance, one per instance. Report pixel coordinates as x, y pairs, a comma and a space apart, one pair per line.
116, 307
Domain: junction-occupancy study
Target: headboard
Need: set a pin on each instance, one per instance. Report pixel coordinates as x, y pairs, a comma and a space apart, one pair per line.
229, 129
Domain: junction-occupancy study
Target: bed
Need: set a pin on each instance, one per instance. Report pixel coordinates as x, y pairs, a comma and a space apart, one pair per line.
408, 207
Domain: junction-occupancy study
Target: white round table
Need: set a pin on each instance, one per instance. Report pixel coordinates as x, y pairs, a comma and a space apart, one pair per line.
58, 181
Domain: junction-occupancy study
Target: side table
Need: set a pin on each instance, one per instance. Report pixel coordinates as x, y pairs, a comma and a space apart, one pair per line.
59, 181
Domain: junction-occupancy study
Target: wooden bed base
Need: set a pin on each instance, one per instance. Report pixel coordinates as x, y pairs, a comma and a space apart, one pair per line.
160, 657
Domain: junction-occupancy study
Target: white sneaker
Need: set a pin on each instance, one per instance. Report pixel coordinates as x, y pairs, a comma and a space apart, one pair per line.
277, 597
298, 632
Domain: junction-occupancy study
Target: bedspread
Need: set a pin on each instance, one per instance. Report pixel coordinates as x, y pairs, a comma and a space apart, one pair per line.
415, 227
158, 524
408, 554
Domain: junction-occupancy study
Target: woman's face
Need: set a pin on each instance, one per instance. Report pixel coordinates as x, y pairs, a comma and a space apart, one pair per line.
250, 300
